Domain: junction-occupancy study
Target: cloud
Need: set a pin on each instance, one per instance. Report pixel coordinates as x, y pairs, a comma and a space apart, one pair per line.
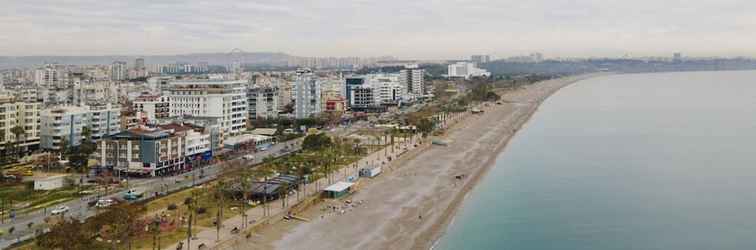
407, 29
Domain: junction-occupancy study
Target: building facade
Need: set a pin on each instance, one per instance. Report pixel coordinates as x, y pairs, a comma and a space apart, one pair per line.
21, 114
152, 107
118, 71
307, 97
413, 80
263, 102
224, 100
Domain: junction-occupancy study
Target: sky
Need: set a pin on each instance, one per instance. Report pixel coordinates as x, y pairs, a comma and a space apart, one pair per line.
407, 29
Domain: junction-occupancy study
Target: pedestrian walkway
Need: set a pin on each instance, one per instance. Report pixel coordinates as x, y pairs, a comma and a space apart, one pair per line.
212, 240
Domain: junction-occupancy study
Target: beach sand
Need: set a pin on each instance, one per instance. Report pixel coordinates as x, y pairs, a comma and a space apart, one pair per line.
410, 206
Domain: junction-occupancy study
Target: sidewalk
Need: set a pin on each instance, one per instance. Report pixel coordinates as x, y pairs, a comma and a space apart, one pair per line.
209, 237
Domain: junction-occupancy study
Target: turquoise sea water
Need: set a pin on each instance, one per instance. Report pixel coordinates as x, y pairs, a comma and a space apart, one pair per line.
642, 161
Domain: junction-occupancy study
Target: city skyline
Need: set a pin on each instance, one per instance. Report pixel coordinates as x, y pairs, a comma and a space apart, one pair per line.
415, 30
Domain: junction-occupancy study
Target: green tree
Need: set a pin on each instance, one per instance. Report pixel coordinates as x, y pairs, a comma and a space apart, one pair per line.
316, 142
19, 133
69, 234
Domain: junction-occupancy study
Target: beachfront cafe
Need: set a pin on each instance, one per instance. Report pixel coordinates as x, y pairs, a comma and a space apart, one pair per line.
338, 190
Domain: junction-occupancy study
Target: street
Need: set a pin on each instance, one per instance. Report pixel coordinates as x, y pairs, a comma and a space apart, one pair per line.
80, 209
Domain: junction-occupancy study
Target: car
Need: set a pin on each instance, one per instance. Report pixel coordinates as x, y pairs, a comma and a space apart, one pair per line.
248, 157
59, 210
102, 203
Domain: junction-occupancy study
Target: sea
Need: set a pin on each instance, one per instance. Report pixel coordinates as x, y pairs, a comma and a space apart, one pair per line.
631, 161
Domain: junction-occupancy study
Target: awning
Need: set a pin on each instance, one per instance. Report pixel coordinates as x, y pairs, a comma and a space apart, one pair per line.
339, 186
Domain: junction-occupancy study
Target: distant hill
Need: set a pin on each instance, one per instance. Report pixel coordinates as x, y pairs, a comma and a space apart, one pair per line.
253, 58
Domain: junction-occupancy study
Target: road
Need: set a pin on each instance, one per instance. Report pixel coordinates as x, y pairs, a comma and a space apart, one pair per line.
80, 209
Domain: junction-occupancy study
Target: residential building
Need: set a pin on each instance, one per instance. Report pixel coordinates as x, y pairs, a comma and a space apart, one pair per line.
63, 124
118, 71
48, 76
224, 100
307, 97
151, 107
263, 102
103, 119
23, 114
413, 80
66, 124
144, 152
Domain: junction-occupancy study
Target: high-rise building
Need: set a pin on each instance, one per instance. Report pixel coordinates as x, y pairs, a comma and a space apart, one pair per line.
263, 102
307, 94
118, 71
413, 80
224, 100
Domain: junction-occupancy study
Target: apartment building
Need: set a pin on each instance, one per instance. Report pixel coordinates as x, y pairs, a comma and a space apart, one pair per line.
263, 102
66, 124
23, 114
307, 94
223, 100
152, 107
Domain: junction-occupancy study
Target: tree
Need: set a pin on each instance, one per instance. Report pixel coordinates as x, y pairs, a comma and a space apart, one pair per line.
79, 155
19, 133
316, 142
69, 234
117, 222
220, 198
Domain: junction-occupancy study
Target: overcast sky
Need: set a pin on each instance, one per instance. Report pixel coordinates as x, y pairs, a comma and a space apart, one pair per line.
423, 29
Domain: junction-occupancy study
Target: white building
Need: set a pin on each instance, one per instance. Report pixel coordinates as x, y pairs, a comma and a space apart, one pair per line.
118, 71
466, 70
104, 119
413, 80
48, 76
224, 100
152, 107
263, 102
67, 123
307, 97
23, 114
62, 124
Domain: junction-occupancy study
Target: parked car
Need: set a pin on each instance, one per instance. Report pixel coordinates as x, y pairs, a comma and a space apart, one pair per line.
59, 210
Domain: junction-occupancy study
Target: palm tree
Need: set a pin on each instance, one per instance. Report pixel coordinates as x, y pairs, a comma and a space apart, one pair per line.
18, 132
219, 189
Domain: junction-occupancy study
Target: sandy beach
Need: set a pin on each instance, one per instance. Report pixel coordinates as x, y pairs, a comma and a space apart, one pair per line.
410, 205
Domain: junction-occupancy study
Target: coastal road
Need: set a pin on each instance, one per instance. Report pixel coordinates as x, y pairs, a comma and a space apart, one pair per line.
79, 208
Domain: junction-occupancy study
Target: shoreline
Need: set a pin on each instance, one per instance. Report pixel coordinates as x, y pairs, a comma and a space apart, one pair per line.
405, 198
442, 226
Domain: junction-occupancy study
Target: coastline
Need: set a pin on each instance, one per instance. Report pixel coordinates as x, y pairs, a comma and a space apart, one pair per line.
419, 198
439, 229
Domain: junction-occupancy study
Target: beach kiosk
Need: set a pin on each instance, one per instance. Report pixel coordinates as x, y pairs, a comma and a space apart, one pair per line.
337, 190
